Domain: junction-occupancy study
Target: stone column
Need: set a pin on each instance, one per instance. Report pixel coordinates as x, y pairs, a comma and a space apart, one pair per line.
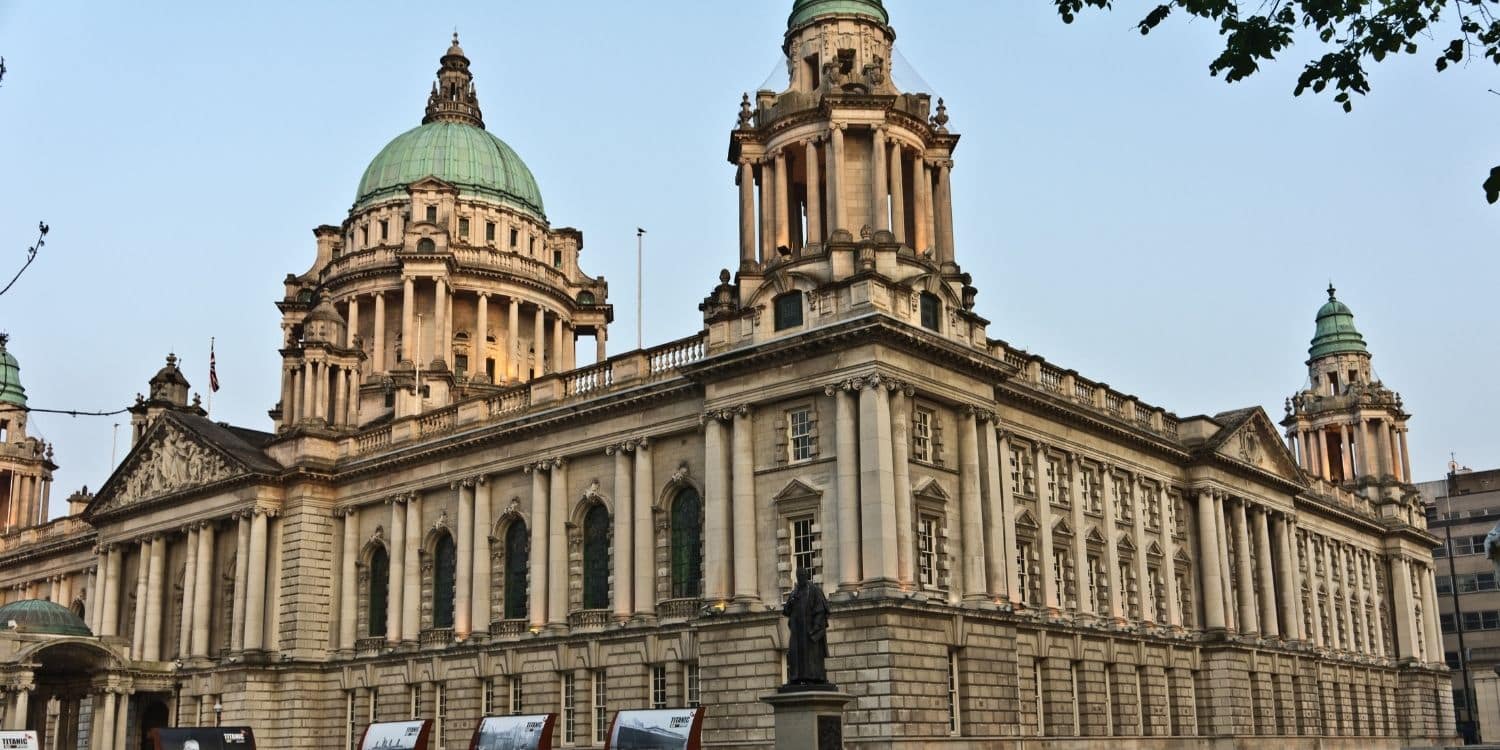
479, 604
1169, 565
395, 607
110, 617
747, 212
645, 553
379, 353
943, 214
411, 574
1323, 457
242, 576
879, 203
443, 348
1405, 458
1290, 588
1249, 617
898, 192
103, 722
1108, 487
814, 194
742, 480
1044, 532
901, 464
782, 202
203, 593
480, 342
845, 553
767, 208
1142, 572
96, 590
142, 579
557, 546
716, 539
353, 331
1430, 616
307, 405
1232, 613
624, 532
255, 594
837, 211
463, 574
513, 360
349, 582
1270, 627
1081, 570
1362, 595
559, 346
976, 585
541, 534
155, 599
876, 485
922, 203
408, 311
1006, 512
1405, 609
1344, 451
1208, 559
189, 585
1378, 647
539, 342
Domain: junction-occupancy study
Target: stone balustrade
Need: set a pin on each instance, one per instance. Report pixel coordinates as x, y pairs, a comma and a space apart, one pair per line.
1041, 375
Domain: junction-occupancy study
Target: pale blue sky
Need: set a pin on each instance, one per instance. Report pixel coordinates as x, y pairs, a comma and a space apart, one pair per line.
1122, 213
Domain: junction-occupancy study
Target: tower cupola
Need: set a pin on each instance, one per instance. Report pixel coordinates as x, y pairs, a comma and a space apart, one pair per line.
453, 98
11, 392
1335, 333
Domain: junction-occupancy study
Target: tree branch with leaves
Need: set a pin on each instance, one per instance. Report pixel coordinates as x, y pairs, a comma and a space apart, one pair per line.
1354, 33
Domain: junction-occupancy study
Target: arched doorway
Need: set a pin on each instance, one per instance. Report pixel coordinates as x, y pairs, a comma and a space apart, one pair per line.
153, 715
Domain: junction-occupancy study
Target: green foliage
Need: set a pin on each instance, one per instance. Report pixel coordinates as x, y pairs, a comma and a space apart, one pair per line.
1352, 32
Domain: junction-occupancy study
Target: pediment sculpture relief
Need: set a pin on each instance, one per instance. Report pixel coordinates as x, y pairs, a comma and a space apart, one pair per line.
173, 463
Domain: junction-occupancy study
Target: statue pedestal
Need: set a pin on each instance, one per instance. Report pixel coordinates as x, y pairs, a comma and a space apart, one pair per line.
809, 719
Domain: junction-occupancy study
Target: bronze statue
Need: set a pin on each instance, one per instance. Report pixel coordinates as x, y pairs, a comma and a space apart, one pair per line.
806, 611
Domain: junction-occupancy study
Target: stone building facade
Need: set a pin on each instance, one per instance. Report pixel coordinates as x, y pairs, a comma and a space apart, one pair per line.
450, 518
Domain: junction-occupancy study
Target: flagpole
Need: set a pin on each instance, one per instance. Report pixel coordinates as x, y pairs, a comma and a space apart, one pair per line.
210, 410
640, 235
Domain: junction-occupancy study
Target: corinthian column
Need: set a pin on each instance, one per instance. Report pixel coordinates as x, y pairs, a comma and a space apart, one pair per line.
349, 582
513, 358
408, 310
767, 209
814, 194
411, 574
1208, 562
624, 532
378, 355
944, 213
846, 458
154, 590
747, 212
464, 575
114, 573
189, 583
394, 606
557, 563
255, 594
716, 537
876, 485
782, 203
976, 586
901, 458
746, 557
479, 351
838, 213
540, 536
645, 592
1270, 627
879, 203
142, 579
479, 605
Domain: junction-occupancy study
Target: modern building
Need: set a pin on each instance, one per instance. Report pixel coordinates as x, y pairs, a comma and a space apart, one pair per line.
1464, 507
447, 517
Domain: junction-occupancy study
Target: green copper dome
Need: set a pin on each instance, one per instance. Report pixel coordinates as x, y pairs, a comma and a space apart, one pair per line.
1336, 333
11, 391
42, 616
804, 11
464, 155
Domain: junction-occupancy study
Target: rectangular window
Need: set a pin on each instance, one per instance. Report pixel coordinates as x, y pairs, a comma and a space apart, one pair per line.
515, 238
463, 229
516, 704
802, 545
1016, 457
931, 319
531, 246
364, 236
800, 434
557, 259
385, 230
569, 710
601, 707
489, 232
414, 697
1090, 497
1023, 573
440, 714
921, 435
690, 684
953, 708
487, 701
658, 687
787, 310
349, 737
432, 213
927, 551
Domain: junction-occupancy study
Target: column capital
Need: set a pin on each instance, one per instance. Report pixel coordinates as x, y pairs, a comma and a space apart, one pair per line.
480, 479
643, 444
837, 127
718, 415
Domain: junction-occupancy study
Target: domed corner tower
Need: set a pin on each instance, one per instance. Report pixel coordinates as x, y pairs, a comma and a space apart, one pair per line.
26, 465
844, 191
1346, 426
445, 281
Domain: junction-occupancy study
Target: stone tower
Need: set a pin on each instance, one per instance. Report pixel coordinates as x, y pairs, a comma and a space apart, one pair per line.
169, 390
25, 462
445, 281
1347, 427
844, 192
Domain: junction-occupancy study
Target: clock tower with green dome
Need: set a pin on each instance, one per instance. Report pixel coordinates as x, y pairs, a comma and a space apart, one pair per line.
25, 462
445, 281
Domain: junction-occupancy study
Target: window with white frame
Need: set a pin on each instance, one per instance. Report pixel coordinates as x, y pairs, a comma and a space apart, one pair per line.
1091, 500
804, 551
690, 683
440, 713
1098, 585
414, 697
349, 738
1024, 573
1152, 501
659, 687
487, 700
954, 725
601, 707
921, 435
1017, 461
801, 441
1124, 512
569, 710
927, 551
516, 694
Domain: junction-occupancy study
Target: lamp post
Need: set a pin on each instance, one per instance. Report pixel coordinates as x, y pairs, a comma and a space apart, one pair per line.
218, 713
1470, 726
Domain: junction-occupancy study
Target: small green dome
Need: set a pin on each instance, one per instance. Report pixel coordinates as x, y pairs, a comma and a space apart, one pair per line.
804, 11
42, 616
466, 156
1336, 333
11, 391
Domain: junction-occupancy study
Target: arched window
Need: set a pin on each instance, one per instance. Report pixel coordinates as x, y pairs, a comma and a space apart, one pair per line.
426, 245
687, 545
517, 566
380, 580
596, 558
444, 568
585, 298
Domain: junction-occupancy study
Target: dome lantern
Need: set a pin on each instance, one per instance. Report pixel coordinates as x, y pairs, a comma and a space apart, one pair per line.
11, 391
1336, 333
805, 11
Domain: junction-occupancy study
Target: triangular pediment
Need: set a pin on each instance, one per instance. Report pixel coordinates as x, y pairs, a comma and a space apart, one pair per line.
797, 490
930, 489
1094, 536
431, 183
1249, 438
178, 455
1025, 521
